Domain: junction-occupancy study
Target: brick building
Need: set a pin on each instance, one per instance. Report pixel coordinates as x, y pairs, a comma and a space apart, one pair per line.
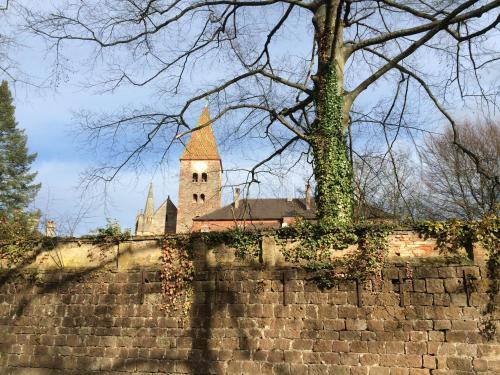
200, 186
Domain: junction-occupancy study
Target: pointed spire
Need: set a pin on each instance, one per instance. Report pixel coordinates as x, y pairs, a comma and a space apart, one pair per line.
149, 209
202, 144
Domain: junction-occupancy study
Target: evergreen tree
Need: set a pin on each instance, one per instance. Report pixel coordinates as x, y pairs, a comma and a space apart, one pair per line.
17, 187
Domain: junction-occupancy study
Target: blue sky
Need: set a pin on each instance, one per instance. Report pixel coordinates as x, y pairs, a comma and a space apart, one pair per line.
48, 117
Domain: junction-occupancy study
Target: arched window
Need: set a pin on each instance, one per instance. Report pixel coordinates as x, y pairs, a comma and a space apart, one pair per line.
195, 198
195, 177
204, 177
202, 198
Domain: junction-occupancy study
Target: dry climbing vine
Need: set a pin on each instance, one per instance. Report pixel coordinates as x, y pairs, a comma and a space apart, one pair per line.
177, 273
312, 246
454, 235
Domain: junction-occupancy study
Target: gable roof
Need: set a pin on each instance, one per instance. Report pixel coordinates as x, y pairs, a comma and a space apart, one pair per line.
276, 209
202, 144
262, 209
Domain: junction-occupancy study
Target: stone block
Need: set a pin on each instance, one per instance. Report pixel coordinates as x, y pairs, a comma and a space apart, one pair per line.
340, 346
298, 369
375, 325
416, 348
434, 285
464, 325
302, 344
419, 371
459, 364
379, 371
399, 371
359, 370
369, 359
356, 324
421, 299
329, 358
442, 299
447, 272
427, 271
322, 346
358, 347
335, 369
429, 361
391, 360
335, 324
436, 336
419, 285
395, 347
453, 285
349, 359
442, 324
418, 336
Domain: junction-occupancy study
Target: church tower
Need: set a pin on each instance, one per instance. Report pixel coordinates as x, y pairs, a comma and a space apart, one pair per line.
200, 177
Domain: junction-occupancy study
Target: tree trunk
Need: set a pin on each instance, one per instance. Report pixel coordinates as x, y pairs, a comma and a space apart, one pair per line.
332, 168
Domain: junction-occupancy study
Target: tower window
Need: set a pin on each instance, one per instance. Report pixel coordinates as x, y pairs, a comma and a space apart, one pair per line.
202, 198
195, 177
204, 177
195, 198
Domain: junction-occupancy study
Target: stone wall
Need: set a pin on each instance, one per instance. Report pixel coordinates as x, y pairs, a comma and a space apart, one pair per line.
423, 318
145, 251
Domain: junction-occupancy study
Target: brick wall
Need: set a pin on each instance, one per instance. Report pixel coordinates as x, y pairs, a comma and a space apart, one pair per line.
247, 320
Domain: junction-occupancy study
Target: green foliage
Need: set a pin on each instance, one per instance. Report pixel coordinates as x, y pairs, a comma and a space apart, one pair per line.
332, 169
110, 235
245, 242
314, 243
17, 187
366, 260
454, 235
18, 237
315, 240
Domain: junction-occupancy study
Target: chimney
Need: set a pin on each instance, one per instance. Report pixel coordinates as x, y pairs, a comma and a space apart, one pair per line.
236, 197
50, 228
308, 197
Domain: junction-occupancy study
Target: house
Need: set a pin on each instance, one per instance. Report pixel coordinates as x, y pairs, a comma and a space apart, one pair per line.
200, 204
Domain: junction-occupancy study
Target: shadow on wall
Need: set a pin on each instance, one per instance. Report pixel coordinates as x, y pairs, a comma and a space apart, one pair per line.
101, 320
109, 321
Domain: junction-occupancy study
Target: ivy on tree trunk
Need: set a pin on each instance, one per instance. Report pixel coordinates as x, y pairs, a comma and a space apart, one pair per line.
332, 169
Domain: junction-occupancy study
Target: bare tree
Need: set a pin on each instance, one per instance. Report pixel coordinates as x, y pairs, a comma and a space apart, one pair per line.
455, 187
377, 185
295, 71
6, 42
11, 42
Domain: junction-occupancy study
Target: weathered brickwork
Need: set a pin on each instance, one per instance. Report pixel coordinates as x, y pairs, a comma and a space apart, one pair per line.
207, 192
248, 321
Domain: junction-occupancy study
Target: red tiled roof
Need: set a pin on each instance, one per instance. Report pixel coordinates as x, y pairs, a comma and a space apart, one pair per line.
202, 144
272, 209
262, 209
